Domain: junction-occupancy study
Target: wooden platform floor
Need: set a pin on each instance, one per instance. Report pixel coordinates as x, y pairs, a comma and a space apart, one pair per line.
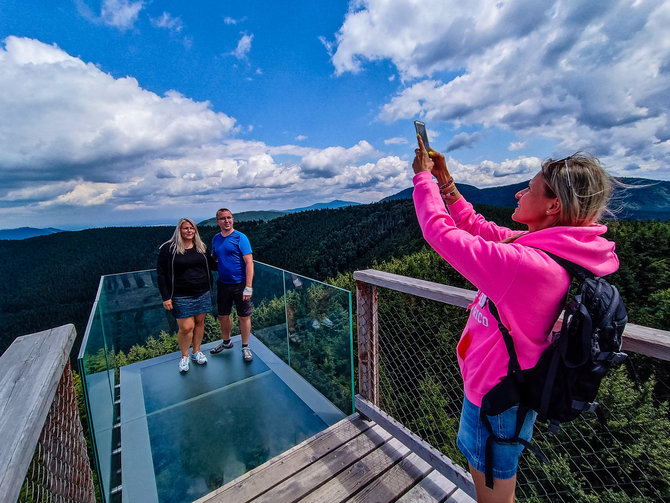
353, 460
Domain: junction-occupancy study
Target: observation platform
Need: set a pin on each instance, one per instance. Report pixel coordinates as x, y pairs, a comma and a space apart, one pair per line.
288, 427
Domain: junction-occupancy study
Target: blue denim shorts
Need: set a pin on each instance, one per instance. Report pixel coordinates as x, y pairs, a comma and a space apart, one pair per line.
472, 436
185, 307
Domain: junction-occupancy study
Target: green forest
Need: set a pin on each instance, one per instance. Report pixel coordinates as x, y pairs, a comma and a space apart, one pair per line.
52, 280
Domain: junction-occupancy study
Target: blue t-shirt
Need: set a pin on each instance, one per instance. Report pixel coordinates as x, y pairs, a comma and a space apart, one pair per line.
230, 252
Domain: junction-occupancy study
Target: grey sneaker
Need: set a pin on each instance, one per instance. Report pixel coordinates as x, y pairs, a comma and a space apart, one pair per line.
246, 354
183, 364
199, 358
224, 345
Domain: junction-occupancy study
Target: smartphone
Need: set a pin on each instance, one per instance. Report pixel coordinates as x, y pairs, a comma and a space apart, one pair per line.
421, 131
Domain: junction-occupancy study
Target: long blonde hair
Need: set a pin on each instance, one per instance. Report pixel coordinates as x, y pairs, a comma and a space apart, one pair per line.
582, 186
177, 243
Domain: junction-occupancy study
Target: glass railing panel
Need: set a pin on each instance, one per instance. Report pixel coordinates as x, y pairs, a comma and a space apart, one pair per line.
133, 311
319, 333
98, 380
268, 319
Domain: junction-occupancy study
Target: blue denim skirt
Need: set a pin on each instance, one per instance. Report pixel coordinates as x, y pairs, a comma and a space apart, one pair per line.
472, 436
185, 307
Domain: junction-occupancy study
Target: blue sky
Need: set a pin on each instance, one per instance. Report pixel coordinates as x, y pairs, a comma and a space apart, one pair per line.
130, 112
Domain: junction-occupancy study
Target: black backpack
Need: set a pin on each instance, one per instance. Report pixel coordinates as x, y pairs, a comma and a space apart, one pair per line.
565, 380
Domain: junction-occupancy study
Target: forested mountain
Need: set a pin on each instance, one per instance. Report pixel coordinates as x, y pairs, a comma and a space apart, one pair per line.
272, 214
635, 199
26, 232
52, 280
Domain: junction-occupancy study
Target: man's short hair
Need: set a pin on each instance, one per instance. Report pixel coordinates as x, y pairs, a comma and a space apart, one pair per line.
223, 209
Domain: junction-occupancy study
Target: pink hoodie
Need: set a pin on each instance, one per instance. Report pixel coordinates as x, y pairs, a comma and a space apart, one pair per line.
527, 286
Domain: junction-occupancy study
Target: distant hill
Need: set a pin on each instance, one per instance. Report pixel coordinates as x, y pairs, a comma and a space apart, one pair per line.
642, 199
245, 216
323, 206
26, 232
265, 216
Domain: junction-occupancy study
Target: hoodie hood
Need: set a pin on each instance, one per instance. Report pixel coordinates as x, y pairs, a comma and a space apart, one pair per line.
584, 246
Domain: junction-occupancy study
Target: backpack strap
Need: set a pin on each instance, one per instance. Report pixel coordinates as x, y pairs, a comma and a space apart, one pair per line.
488, 459
575, 270
513, 365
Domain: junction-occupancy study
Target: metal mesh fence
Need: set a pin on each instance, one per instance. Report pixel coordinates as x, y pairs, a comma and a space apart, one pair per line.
59, 471
420, 385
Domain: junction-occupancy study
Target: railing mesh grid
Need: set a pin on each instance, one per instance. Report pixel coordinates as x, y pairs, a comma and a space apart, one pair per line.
420, 386
59, 471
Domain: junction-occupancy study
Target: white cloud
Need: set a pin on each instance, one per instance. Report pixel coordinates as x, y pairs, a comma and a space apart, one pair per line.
84, 194
491, 174
120, 14
333, 160
167, 21
72, 137
243, 46
398, 140
585, 75
232, 21
61, 113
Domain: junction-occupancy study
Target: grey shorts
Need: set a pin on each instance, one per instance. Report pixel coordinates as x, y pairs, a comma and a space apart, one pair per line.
227, 294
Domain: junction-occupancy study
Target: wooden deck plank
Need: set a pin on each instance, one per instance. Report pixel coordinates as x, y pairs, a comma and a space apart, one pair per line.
329, 466
353, 460
395, 481
434, 488
359, 474
277, 469
432, 456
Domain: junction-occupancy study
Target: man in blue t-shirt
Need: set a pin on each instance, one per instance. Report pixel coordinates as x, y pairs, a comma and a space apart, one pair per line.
232, 251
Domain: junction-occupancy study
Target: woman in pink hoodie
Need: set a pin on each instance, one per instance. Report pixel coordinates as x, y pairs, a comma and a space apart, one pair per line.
560, 207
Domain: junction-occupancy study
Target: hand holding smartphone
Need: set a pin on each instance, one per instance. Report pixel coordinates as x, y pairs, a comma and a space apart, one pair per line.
421, 131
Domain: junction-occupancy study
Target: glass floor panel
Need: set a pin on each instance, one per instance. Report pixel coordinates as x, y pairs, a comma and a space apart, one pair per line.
184, 435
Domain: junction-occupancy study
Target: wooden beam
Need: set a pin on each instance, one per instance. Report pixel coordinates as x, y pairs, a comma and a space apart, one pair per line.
30, 371
647, 341
421, 288
639, 339
427, 452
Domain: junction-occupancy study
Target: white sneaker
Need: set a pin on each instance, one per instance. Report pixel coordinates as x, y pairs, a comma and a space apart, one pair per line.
199, 358
183, 364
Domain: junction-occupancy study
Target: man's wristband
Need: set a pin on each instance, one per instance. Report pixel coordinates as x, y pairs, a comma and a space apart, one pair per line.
247, 291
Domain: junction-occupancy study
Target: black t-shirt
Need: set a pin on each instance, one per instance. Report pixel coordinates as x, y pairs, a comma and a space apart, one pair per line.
190, 274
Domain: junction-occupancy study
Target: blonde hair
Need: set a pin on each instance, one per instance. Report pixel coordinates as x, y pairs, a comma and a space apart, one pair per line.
582, 186
177, 243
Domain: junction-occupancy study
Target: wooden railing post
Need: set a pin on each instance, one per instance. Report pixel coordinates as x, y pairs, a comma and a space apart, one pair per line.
44, 449
368, 368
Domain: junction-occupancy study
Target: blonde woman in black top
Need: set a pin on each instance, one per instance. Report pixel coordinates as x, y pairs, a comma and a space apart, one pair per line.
185, 283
